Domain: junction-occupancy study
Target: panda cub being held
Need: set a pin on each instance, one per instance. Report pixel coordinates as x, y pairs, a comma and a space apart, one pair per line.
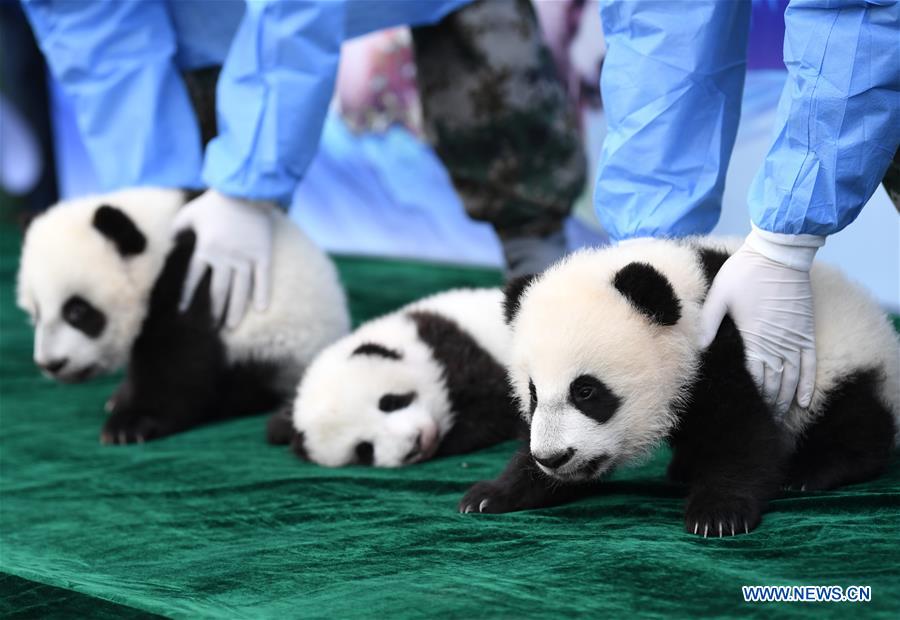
101, 277
427, 380
605, 364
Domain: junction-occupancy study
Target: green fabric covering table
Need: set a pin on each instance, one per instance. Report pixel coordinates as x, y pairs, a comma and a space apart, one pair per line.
215, 523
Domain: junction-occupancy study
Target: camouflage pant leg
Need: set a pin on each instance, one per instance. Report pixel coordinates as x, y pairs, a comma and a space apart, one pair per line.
892, 180
499, 118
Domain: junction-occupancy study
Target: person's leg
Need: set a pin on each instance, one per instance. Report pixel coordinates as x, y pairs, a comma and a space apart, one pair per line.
23, 83
499, 118
131, 105
671, 84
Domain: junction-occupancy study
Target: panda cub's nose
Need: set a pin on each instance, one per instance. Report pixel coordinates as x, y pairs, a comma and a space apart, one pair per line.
556, 459
54, 366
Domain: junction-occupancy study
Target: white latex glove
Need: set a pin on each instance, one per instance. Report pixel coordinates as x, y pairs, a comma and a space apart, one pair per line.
765, 288
234, 239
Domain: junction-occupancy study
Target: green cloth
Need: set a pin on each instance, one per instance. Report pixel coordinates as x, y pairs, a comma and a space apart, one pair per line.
215, 523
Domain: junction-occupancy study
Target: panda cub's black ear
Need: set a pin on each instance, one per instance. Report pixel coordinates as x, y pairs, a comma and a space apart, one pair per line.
650, 292
513, 293
116, 226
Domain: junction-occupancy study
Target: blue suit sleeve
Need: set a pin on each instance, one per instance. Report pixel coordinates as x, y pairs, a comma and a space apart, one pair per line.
838, 121
114, 60
272, 97
672, 83
277, 83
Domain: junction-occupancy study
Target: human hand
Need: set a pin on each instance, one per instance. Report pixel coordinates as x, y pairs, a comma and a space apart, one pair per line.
234, 240
765, 287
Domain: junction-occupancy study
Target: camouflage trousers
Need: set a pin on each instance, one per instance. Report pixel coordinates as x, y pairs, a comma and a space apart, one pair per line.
495, 111
498, 116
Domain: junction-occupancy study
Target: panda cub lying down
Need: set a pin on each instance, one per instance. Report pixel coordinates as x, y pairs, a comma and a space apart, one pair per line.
605, 366
427, 380
101, 278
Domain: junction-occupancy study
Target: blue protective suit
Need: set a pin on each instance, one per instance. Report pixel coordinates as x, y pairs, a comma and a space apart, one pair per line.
672, 83
119, 62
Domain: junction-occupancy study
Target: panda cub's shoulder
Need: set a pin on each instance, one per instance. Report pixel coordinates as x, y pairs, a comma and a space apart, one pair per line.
134, 281
460, 332
474, 311
853, 333
306, 311
425, 380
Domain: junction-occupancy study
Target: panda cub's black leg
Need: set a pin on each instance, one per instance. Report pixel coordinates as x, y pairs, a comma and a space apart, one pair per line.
119, 398
727, 446
521, 486
125, 426
679, 470
850, 442
731, 481
176, 364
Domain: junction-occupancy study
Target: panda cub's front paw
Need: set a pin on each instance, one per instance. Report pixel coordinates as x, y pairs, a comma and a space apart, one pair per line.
488, 496
120, 399
280, 427
122, 428
711, 514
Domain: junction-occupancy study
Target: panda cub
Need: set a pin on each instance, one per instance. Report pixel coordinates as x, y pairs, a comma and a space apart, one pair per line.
427, 380
605, 364
101, 278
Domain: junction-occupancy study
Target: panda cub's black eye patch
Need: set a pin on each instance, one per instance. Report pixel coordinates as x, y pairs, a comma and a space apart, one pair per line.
365, 453
395, 402
80, 314
593, 398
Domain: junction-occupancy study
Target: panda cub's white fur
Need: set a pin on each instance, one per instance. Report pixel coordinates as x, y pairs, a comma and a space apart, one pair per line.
573, 321
385, 388
65, 255
606, 365
852, 332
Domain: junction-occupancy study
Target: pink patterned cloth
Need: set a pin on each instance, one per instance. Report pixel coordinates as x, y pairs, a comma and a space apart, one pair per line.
376, 84
574, 35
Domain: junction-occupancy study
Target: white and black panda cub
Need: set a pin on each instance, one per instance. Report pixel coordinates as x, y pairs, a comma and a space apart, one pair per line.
427, 380
101, 278
606, 365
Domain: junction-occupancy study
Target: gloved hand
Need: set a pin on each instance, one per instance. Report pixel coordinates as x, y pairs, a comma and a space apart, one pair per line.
765, 287
234, 239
